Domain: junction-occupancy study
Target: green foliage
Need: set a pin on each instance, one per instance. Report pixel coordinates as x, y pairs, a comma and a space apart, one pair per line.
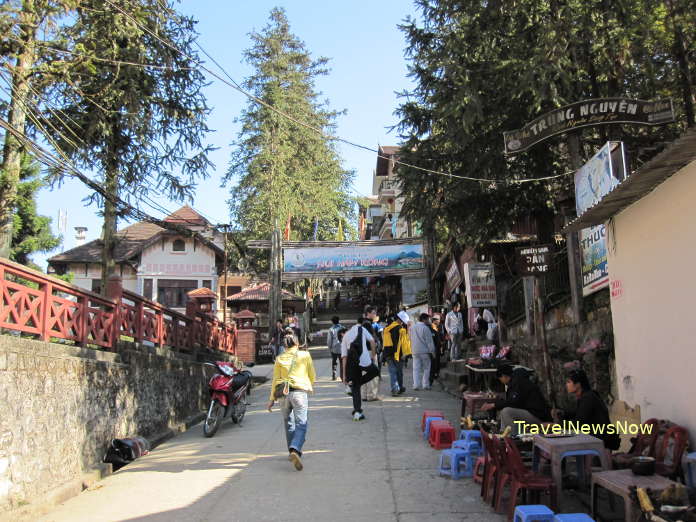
482, 68
31, 232
282, 168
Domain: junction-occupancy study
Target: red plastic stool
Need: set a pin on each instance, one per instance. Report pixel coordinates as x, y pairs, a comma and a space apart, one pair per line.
478, 469
430, 413
441, 435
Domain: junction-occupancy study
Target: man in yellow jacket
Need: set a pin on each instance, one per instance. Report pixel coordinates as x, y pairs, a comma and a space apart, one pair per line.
294, 367
397, 345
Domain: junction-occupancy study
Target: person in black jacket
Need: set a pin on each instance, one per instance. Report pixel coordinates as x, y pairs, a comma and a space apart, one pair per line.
523, 402
590, 409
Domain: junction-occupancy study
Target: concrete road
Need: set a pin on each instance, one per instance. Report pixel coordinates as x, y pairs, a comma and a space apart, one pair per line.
376, 470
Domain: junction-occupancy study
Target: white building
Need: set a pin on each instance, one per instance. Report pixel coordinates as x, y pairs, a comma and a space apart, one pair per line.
157, 263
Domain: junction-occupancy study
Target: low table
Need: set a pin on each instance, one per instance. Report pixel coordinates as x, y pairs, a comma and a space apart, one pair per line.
618, 482
473, 401
485, 373
553, 448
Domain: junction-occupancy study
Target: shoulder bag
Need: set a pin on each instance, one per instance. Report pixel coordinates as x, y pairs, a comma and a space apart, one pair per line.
283, 388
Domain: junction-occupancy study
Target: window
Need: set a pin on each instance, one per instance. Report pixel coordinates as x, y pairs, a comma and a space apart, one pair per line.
147, 288
207, 284
96, 286
231, 290
178, 245
172, 292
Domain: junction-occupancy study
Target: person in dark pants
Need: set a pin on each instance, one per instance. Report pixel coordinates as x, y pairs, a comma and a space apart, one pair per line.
439, 340
333, 342
358, 365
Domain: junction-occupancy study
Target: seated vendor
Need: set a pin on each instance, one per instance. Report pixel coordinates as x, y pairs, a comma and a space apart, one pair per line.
590, 409
523, 400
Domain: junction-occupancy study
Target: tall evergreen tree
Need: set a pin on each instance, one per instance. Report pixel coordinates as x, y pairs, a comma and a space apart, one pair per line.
284, 170
132, 104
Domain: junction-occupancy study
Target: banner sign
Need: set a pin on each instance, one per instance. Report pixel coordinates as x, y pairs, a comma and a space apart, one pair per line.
480, 285
346, 259
599, 111
593, 181
454, 278
534, 260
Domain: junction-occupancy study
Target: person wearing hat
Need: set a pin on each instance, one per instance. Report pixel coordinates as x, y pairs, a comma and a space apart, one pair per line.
523, 402
397, 345
423, 349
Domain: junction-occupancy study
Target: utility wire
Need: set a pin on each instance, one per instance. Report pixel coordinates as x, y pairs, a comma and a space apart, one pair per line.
235, 85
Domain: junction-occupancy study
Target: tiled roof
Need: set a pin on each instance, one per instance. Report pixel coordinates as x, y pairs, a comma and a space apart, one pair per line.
245, 314
261, 293
186, 216
202, 292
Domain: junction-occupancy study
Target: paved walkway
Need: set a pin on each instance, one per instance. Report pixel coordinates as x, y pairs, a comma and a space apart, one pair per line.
377, 470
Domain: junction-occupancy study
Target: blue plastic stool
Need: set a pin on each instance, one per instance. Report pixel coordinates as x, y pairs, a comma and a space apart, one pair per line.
428, 420
573, 517
580, 461
472, 447
533, 513
456, 463
690, 470
470, 435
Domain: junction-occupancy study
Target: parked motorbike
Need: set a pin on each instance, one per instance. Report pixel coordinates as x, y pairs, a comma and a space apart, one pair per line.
228, 388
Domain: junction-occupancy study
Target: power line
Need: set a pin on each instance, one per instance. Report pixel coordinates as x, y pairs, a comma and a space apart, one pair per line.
232, 83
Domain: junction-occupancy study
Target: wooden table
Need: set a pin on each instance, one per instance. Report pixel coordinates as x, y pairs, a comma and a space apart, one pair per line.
553, 448
618, 481
473, 401
486, 373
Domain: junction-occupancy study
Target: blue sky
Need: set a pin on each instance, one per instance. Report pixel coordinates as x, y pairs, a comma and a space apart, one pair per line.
367, 68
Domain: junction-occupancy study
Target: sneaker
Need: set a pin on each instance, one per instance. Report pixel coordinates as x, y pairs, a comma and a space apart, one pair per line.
402, 390
349, 391
416, 389
358, 416
395, 393
296, 460
427, 388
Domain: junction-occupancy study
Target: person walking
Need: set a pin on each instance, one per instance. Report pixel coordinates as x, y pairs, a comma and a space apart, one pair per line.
370, 391
423, 349
277, 339
454, 325
439, 341
358, 365
293, 381
334, 344
397, 346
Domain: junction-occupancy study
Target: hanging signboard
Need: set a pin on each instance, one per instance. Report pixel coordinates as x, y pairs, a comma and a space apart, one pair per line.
454, 278
480, 284
593, 181
534, 260
350, 259
599, 111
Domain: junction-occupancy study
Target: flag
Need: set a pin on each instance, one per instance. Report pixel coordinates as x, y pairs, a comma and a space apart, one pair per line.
316, 229
339, 234
287, 229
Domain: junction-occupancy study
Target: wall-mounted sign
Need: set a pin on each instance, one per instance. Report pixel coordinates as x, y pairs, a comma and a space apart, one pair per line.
600, 111
534, 260
593, 181
342, 260
480, 284
454, 278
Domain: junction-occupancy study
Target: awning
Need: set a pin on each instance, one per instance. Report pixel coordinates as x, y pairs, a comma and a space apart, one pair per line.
646, 179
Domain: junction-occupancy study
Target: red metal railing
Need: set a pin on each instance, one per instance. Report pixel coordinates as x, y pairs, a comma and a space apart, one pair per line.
35, 303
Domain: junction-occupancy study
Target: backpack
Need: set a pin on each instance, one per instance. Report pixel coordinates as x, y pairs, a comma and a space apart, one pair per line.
356, 348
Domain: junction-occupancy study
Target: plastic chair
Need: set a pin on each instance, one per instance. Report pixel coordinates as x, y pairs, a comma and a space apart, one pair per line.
495, 476
533, 513
668, 463
573, 517
644, 445
456, 463
441, 434
428, 420
430, 413
525, 480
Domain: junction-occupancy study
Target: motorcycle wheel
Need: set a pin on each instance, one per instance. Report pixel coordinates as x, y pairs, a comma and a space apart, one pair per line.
213, 419
239, 411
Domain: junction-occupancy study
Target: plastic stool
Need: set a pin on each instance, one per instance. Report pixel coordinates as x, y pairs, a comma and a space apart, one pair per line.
441, 434
428, 420
430, 413
580, 462
455, 463
690, 469
573, 517
470, 435
472, 447
533, 513
479, 466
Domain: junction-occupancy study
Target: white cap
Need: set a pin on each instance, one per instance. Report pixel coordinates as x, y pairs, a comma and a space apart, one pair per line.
404, 316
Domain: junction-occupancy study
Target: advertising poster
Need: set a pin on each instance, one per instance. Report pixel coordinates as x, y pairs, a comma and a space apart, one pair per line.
593, 181
480, 285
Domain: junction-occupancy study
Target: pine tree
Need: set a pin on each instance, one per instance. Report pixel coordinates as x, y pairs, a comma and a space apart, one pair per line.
285, 170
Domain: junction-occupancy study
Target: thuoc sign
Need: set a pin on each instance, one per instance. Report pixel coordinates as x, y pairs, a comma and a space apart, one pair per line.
600, 111
534, 260
480, 284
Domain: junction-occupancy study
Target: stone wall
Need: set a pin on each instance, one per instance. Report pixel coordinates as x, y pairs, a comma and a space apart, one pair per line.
563, 340
61, 405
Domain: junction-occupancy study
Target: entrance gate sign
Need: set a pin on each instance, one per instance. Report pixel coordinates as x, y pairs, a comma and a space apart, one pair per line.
534, 260
349, 259
480, 284
593, 181
599, 111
